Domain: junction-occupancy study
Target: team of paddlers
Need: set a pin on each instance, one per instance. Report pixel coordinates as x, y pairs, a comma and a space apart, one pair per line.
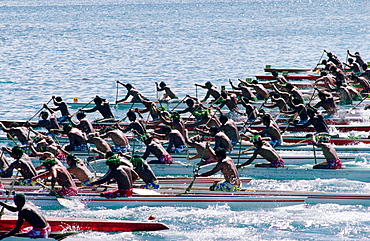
125, 165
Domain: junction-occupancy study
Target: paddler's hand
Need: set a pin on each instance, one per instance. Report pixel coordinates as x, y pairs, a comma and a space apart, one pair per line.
239, 166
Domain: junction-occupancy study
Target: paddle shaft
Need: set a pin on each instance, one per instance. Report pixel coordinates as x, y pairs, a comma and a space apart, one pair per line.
39, 110
10, 191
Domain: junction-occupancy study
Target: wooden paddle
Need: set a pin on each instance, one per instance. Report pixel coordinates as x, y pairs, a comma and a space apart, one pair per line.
10, 191
179, 103
348, 111
82, 108
39, 110
196, 170
62, 201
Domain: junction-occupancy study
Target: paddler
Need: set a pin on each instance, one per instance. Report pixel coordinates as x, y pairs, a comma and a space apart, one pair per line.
265, 150
327, 102
299, 109
212, 90
4, 163
269, 131
62, 107
231, 102
278, 102
175, 122
84, 124
101, 105
118, 137
49, 122
250, 111
318, 121
23, 164
229, 127
168, 91
77, 139
221, 139
31, 214
100, 144
144, 171
262, 93
344, 94
79, 170
204, 151
122, 174
329, 152
245, 91
176, 141
365, 85
353, 66
151, 107
279, 79
328, 80
131, 91
358, 58
136, 125
334, 59
14, 130
59, 174
153, 146
226, 165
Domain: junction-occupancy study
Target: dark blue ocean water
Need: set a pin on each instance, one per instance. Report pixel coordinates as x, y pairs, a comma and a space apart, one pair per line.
81, 48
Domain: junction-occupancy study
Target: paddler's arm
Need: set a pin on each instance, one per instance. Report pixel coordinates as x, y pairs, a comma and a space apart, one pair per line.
9, 207
211, 172
16, 229
253, 157
97, 151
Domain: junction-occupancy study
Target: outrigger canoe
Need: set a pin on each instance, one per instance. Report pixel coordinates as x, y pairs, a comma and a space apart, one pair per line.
89, 224
311, 197
159, 200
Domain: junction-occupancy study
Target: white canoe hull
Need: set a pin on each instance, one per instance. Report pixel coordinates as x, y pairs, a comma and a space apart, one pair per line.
185, 200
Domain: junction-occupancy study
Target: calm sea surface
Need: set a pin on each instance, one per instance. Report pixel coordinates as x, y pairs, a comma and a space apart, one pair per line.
79, 49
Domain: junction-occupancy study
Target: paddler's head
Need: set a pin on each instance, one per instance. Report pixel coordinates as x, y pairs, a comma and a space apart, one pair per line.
109, 154
49, 163
14, 125
224, 95
256, 140
162, 84
58, 99
80, 115
113, 162
19, 200
17, 152
44, 115
47, 155
146, 138
208, 84
128, 86
71, 159
213, 130
323, 138
266, 120
223, 119
189, 102
131, 115
296, 101
350, 60
329, 54
166, 130
67, 128
311, 112
98, 100
220, 154
274, 73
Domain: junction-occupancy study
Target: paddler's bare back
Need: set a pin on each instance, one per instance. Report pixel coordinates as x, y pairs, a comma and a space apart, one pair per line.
63, 177
268, 153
